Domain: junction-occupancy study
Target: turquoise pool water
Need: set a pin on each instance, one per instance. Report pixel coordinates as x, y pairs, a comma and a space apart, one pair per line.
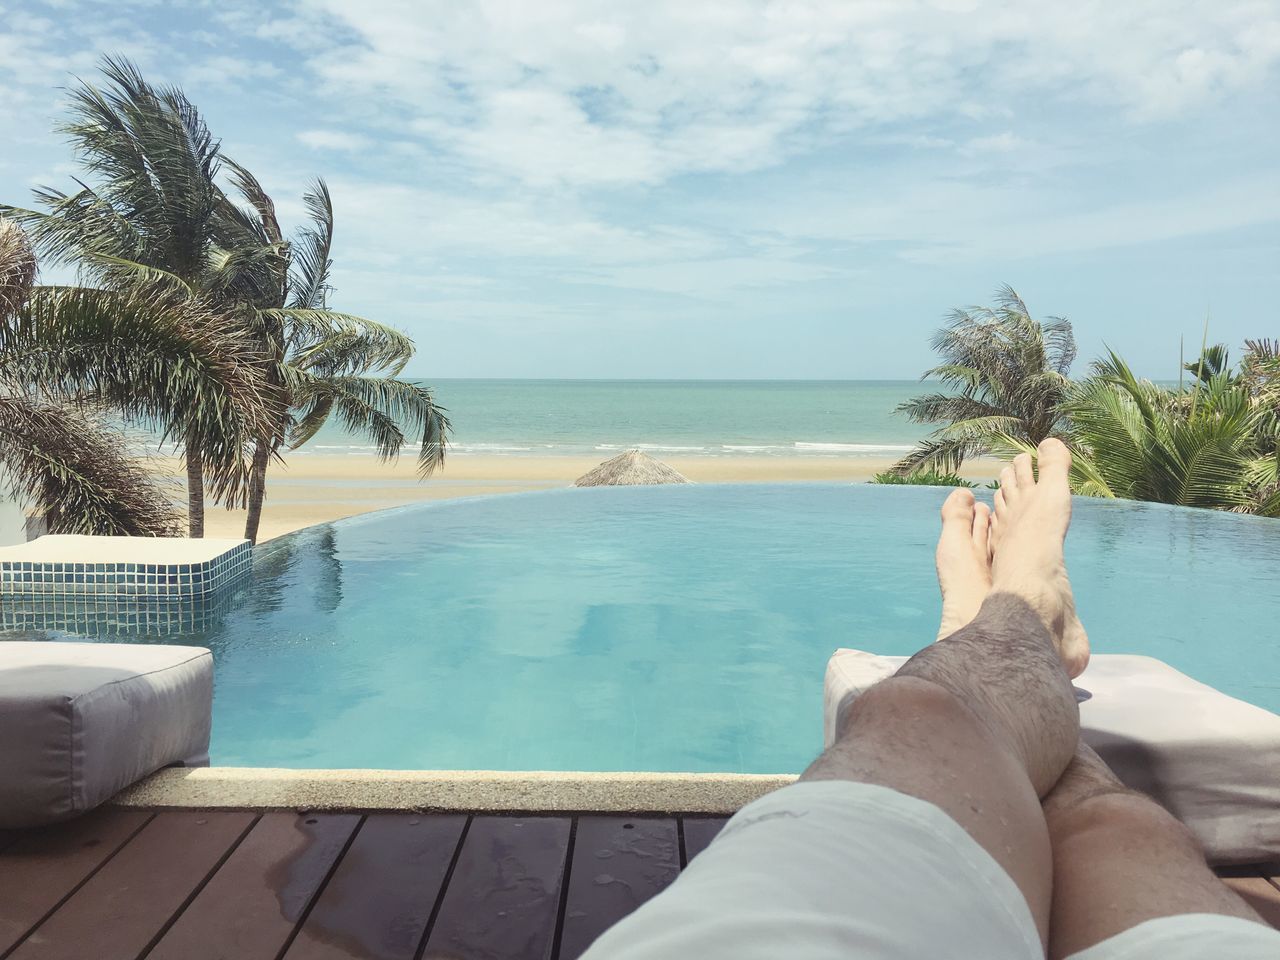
664, 628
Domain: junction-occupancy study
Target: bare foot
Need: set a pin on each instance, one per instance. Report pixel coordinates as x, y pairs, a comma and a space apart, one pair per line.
964, 560
1027, 531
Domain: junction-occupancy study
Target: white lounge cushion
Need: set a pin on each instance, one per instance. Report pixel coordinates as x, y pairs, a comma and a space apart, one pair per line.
1210, 759
81, 721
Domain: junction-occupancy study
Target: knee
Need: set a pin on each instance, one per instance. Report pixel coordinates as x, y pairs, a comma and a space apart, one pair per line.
898, 698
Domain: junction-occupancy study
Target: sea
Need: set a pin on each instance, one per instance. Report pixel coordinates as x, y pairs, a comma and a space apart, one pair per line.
715, 418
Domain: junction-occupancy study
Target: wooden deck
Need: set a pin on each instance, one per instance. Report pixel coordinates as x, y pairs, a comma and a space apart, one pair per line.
122, 884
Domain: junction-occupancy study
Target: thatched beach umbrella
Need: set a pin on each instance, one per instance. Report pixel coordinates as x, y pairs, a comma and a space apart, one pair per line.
632, 468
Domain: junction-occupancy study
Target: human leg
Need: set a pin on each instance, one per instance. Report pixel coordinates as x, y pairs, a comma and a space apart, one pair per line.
1120, 859
982, 723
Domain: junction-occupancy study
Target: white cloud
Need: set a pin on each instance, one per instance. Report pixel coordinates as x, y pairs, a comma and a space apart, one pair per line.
221, 70
943, 222
527, 169
578, 94
1006, 142
334, 140
714, 279
552, 230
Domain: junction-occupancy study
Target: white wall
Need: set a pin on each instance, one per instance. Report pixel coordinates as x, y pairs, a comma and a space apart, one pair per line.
13, 523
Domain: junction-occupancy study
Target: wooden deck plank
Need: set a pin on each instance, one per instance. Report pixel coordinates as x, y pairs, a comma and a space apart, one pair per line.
126, 904
618, 863
503, 898
1257, 890
233, 885
1272, 872
699, 832
377, 903
252, 905
39, 868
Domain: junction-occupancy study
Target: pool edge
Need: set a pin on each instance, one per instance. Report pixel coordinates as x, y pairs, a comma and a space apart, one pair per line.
448, 790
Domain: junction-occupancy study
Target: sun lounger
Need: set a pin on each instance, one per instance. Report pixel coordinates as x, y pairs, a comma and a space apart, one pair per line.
1212, 760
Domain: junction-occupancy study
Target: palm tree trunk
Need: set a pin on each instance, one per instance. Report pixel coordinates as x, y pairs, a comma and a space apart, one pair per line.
195, 491
265, 447
257, 488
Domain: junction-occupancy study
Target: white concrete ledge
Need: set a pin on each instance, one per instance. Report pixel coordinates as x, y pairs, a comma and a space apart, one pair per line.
456, 790
115, 568
77, 548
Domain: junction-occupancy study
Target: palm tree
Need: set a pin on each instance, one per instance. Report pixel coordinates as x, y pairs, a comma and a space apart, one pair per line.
322, 362
160, 228
1008, 373
1135, 440
148, 231
56, 456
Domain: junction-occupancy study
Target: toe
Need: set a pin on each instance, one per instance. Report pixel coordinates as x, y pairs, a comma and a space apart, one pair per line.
1023, 471
1054, 460
1009, 484
982, 529
958, 507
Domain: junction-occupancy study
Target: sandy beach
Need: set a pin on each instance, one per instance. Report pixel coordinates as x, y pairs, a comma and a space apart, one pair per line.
311, 488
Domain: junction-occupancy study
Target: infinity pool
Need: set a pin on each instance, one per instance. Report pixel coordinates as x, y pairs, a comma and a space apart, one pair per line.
662, 628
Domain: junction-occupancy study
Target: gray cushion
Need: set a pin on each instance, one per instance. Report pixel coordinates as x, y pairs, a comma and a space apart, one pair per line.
1210, 759
81, 721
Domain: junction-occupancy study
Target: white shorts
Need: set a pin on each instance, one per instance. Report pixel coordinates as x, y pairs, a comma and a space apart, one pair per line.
836, 870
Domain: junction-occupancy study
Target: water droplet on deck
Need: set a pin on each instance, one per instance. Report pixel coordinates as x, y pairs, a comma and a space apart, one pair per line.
603, 879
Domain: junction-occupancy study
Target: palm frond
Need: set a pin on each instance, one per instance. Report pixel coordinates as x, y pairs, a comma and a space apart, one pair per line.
312, 252
78, 225
118, 274
249, 272
17, 267
943, 456
169, 362
1264, 348
383, 409
946, 407
325, 342
76, 473
265, 224
1085, 477
1148, 443
155, 161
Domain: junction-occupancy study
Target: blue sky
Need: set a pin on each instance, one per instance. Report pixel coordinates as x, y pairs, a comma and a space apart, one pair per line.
726, 189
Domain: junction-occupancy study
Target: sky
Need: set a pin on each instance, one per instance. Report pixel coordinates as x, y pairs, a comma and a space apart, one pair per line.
722, 189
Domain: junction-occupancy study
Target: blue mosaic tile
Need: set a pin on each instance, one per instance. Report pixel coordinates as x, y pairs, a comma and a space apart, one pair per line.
30, 579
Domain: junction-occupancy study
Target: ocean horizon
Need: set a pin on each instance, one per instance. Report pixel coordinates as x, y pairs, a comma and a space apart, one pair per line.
691, 418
